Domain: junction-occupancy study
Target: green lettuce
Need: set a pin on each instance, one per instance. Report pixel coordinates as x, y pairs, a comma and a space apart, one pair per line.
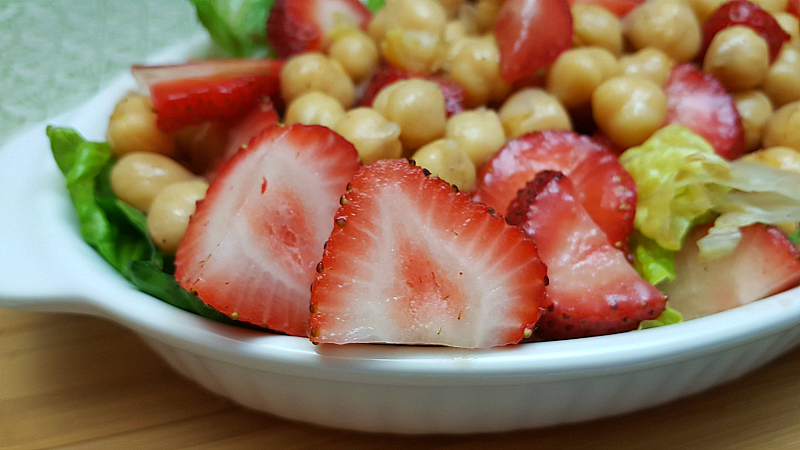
668, 317
117, 231
238, 27
653, 262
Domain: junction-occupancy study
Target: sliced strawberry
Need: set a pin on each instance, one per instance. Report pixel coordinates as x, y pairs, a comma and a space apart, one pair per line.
698, 101
260, 118
385, 75
593, 288
195, 92
411, 261
531, 34
793, 7
298, 26
252, 245
764, 263
618, 7
604, 188
743, 12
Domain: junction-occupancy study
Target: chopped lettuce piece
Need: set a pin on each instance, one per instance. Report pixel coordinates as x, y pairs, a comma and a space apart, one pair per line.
237, 26
374, 5
668, 317
676, 172
653, 262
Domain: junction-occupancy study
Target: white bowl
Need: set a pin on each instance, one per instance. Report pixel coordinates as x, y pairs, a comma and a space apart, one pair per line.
45, 266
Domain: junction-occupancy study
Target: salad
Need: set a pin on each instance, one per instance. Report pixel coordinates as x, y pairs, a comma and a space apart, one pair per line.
469, 174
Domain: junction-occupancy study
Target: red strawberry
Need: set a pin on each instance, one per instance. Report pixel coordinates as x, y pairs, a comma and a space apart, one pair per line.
593, 288
195, 92
604, 188
298, 26
764, 263
411, 261
743, 12
618, 7
698, 101
793, 7
252, 245
260, 118
385, 75
531, 34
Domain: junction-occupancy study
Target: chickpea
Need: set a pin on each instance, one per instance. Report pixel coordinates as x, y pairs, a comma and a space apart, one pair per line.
790, 24
771, 6
314, 71
451, 7
356, 52
416, 105
533, 109
445, 160
703, 9
593, 25
784, 158
372, 135
481, 15
409, 33
669, 25
783, 83
478, 133
132, 128
170, 212
783, 127
314, 108
577, 72
650, 63
755, 108
629, 109
138, 177
738, 57
476, 67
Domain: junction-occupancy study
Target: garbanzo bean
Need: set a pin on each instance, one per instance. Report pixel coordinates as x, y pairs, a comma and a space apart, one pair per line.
629, 109
356, 52
478, 133
409, 33
755, 108
138, 177
783, 127
785, 158
649, 62
132, 128
169, 214
738, 57
451, 6
669, 25
783, 82
577, 72
771, 6
314, 108
593, 25
476, 68
790, 24
372, 135
532, 109
481, 15
314, 71
445, 160
417, 106
703, 9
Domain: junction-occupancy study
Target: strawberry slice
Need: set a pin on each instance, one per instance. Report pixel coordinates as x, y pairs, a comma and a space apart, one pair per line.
593, 288
298, 26
195, 92
619, 7
793, 7
385, 75
743, 12
604, 188
764, 263
531, 34
698, 101
411, 261
252, 245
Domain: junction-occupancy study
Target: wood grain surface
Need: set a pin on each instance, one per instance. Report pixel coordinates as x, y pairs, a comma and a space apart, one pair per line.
70, 381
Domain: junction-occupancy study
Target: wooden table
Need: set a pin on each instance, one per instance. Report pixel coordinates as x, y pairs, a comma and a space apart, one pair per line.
80, 382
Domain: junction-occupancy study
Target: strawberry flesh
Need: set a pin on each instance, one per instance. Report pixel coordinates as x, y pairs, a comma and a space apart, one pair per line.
603, 186
619, 7
743, 12
385, 75
411, 261
698, 101
593, 288
764, 263
252, 245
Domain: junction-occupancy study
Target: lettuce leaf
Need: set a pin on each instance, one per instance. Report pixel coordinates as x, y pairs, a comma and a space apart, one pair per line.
374, 5
117, 231
237, 26
653, 262
668, 317
677, 173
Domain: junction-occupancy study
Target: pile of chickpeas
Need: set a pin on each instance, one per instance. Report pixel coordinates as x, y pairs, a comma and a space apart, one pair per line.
614, 74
